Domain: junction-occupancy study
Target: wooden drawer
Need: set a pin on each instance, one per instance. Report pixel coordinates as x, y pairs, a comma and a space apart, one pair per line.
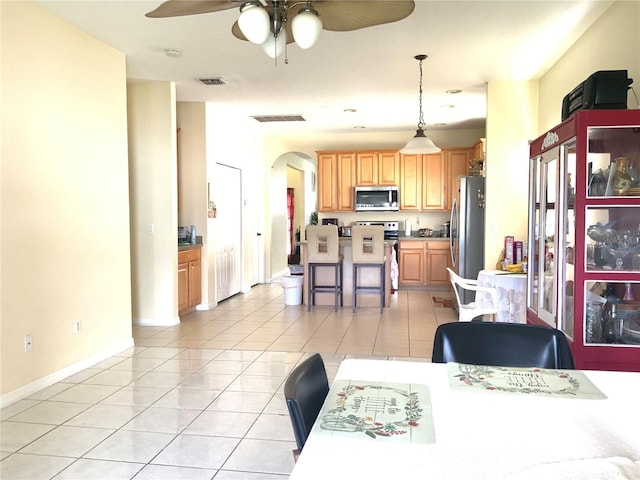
191, 255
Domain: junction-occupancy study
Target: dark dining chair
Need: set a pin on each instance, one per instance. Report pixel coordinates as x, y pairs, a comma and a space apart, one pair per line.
501, 344
305, 390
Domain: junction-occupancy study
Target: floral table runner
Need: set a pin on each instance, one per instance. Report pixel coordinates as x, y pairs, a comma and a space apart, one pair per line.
377, 411
528, 381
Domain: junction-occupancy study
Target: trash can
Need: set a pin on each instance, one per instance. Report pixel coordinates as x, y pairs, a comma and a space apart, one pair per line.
292, 286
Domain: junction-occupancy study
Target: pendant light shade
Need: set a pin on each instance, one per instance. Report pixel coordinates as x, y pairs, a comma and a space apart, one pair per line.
254, 22
306, 27
420, 143
274, 46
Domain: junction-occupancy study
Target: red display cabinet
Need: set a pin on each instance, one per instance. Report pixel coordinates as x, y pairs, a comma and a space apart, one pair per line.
584, 236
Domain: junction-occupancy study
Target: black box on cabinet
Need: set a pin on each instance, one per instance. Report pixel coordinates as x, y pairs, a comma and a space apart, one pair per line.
602, 90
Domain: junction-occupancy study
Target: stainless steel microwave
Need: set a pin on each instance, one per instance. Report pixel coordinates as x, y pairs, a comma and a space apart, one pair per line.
376, 199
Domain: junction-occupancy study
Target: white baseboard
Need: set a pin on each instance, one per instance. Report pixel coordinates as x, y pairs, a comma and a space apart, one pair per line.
277, 276
155, 322
47, 381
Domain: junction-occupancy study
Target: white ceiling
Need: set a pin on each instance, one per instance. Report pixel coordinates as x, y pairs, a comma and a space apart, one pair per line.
372, 70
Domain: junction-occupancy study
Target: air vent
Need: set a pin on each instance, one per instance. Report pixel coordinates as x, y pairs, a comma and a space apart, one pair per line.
212, 81
278, 118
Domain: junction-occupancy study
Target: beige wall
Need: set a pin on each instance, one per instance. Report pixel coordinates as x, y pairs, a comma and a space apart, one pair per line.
511, 123
612, 43
65, 200
154, 202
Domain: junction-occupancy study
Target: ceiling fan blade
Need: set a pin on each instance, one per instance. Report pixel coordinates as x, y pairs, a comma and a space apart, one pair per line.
178, 8
347, 15
238, 33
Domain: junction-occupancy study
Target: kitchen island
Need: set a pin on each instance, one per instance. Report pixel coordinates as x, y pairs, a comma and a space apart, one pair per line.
367, 276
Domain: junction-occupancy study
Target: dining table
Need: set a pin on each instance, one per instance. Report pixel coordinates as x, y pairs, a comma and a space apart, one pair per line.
512, 294
394, 419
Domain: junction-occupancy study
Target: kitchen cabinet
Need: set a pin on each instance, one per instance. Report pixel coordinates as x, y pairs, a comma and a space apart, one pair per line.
336, 181
375, 168
423, 263
457, 161
427, 182
411, 263
434, 173
327, 182
189, 279
411, 182
438, 259
346, 181
584, 238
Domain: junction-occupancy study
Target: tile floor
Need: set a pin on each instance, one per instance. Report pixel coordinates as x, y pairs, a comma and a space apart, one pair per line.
203, 399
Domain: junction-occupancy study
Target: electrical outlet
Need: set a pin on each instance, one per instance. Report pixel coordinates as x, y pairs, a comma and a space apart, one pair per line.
150, 228
28, 343
76, 326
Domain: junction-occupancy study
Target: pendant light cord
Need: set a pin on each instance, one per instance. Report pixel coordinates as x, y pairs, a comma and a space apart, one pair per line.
421, 116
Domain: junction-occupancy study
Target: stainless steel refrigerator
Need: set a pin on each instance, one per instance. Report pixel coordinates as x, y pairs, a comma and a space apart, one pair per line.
467, 231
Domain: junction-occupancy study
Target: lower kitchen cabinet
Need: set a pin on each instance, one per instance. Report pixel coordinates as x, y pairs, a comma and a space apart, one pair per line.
189, 279
438, 259
412, 255
423, 263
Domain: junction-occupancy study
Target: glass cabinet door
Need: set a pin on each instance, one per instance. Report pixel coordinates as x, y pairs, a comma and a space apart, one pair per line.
565, 252
548, 237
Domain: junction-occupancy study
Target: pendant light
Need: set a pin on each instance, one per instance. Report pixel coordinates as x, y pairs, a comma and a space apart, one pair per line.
420, 143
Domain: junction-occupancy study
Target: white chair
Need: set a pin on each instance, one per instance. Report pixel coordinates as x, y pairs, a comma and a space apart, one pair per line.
368, 253
469, 311
323, 252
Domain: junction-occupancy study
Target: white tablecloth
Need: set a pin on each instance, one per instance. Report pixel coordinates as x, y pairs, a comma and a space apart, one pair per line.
512, 294
483, 435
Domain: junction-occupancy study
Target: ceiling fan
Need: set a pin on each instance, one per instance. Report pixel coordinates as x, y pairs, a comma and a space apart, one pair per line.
275, 23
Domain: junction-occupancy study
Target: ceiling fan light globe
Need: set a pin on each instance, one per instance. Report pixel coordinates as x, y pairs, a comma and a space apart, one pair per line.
274, 46
420, 144
306, 27
254, 23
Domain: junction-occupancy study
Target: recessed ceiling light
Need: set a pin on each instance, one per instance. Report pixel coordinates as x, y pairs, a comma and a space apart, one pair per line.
453, 91
350, 110
447, 106
439, 124
359, 126
172, 52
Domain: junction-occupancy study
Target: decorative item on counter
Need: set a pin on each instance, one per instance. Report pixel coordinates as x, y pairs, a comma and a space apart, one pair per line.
621, 178
193, 234
407, 227
508, 250
313, 218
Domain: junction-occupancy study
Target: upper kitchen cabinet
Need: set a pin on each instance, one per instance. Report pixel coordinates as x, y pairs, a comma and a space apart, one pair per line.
336, 181
457, 162
423, 180
433, 181
377, 168
411, 182
346, 181
327, 182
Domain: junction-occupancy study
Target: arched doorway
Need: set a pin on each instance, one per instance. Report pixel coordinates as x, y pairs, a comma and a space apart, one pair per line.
297, 171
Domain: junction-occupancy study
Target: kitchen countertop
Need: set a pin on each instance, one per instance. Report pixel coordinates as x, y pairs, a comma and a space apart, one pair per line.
426, 239
188, 246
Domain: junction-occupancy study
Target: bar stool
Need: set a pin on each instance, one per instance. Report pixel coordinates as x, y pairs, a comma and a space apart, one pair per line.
322, 252
368, 252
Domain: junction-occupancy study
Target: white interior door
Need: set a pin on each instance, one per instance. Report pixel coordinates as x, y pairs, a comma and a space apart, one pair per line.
229, 231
